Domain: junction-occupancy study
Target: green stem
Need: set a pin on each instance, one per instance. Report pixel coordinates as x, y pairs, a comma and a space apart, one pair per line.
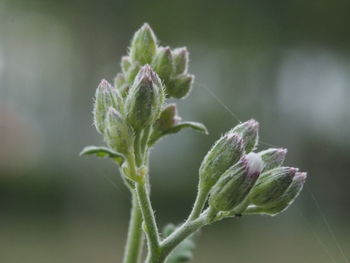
133, 248
151, 230
199, 204
181, 234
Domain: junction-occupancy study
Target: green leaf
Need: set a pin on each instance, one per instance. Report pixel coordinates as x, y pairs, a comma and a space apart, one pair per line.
188, 124
103, 152
175, 129
184, 251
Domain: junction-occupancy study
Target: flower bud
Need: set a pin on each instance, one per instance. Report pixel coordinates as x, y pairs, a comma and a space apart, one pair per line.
249, 132
119, 81
271, 185
118, 135
163, 63
225, 153
288, 197
180, 58
145, 99
167, 119
125, 64
106, 96
133, 70
180, 86
273, 157
235, 184
143, 45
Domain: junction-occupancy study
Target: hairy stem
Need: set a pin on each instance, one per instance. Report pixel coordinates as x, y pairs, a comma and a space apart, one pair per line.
151, 230
181, 234
199, 204
133, 248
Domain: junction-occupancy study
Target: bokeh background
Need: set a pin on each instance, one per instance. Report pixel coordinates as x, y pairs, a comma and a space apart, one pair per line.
285, 63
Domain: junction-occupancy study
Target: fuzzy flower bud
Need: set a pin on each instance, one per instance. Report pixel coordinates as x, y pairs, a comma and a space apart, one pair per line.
143, 45
271, 185
106, 96
168, 118
180, 58
235, 184
163, 63
125, 64
288, 197
273, 157
145, 99
130, 75
180, 86
225, 153
249, 131
118, 135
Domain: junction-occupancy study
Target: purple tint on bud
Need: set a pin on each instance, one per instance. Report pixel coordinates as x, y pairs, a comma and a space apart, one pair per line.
145, 99
288, 197
234, 185
254, 164
271, 185
249, 131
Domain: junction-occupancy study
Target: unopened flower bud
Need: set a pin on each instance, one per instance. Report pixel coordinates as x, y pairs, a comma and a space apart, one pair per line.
273, 157
106, 96
288, 197
125, 64
225, 153
180, 59
235, 184
271, 185
145, 99
180, 86
118, 135
130, 75
168, 118
119, 81
163, 63
249, 131
143, 45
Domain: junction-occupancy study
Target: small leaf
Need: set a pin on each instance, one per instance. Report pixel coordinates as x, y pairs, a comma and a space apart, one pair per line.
103, 152
178, 127
188, 124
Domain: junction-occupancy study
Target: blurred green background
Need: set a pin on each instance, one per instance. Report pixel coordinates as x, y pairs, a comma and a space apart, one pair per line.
285, 63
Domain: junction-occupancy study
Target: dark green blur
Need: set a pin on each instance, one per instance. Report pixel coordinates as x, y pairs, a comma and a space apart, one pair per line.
284, 63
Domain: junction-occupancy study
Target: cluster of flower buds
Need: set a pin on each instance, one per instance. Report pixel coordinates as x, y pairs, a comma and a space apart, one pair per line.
170, 65
240, 180
150, 74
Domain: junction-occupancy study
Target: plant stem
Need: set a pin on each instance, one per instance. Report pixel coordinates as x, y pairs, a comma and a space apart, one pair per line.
133, 248
199, 203
182, 233
151, 230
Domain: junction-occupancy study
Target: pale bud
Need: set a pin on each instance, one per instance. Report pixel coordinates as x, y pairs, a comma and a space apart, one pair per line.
180, 59
143, 45
273, 157
225, 153
235, 184
249, 131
